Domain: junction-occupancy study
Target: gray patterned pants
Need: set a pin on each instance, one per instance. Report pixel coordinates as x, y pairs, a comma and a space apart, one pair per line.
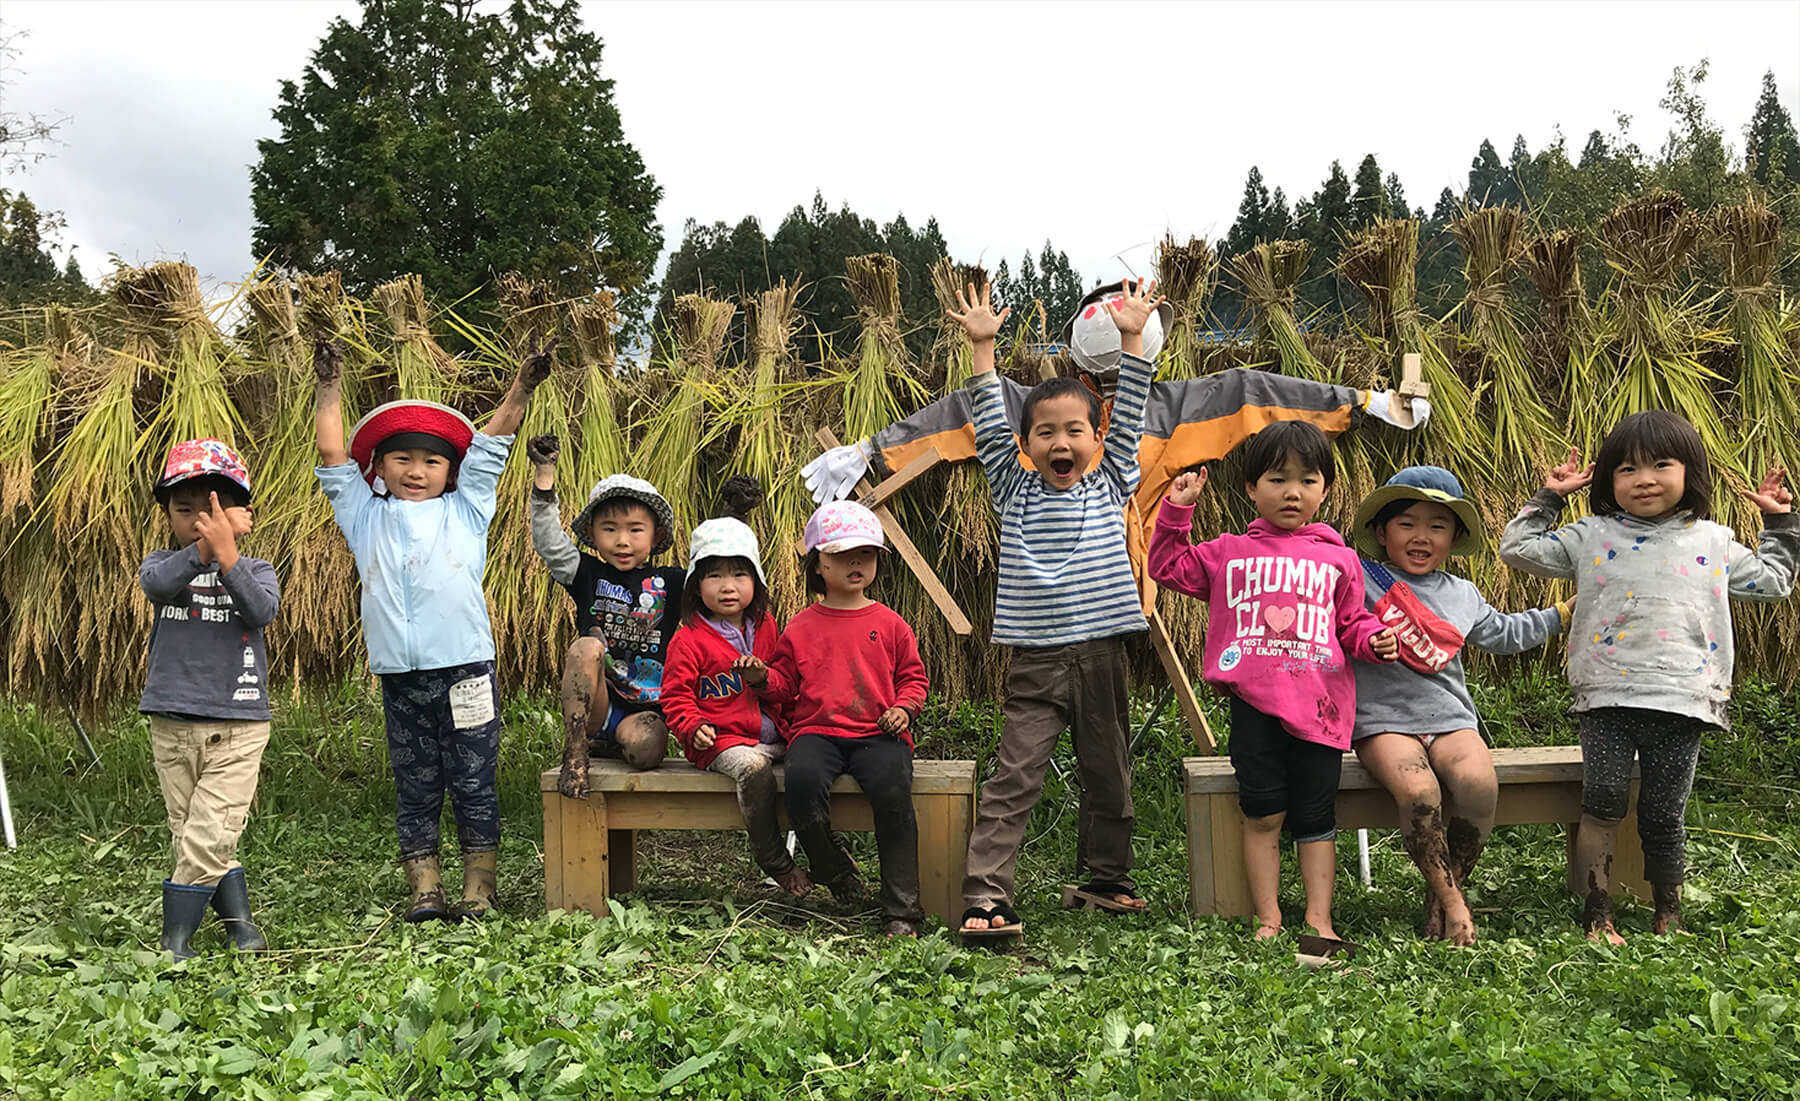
443, 731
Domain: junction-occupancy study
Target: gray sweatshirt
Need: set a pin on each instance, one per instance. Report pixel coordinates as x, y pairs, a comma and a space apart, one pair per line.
206, 644
1393, 697
1653, 610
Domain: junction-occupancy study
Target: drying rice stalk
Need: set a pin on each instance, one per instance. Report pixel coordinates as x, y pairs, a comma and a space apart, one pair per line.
1523, 431
34, 379
1652, 335
600, 444
678, 429
1568, 360
1269, 273
770, 430
882, 385
1186, 275
422, 371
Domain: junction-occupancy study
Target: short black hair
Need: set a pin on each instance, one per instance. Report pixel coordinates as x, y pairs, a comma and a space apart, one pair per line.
231, 495
815, 581
619, 506
692, 605
1394, 508
1644, 438
1271, 447
1052, 388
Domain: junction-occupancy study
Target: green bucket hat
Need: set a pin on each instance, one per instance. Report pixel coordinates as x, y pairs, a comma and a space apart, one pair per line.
1419, 483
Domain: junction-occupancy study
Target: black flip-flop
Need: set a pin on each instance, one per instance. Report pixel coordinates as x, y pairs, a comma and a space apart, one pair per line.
1097, 895
1013, 927
1316, 950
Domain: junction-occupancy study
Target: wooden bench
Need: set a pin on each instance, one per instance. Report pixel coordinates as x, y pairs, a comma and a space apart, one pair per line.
1537, 784
590, 845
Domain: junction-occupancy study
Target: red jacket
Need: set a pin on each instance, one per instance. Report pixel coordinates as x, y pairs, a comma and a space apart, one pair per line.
840, 670
698, 687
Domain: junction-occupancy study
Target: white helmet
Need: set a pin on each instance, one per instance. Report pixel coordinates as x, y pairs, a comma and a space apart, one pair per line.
1093, 338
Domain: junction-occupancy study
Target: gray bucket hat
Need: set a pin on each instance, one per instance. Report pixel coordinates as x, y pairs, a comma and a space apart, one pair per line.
616, 486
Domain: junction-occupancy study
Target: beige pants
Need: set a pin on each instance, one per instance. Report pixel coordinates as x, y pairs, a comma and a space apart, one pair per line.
208, 774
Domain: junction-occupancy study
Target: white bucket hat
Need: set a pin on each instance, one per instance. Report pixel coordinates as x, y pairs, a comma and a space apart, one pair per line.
615, 486
725, 537
1093, 338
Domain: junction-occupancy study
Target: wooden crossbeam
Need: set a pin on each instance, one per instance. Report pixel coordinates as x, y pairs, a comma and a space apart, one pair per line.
1184, 688
1412, 385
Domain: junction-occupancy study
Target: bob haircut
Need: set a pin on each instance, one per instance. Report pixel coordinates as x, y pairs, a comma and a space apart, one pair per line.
1303, 440
692, 605
1644, 438
815, 581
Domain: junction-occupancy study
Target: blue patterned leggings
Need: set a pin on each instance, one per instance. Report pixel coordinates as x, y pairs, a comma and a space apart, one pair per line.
443, 731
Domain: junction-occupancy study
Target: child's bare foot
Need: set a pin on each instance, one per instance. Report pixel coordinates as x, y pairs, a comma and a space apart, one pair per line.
1606, 932
1666, 922
1459, 923
1667, 897
981, 919
1264, 930
1324, 929
794, 882
898, 928
1434, 918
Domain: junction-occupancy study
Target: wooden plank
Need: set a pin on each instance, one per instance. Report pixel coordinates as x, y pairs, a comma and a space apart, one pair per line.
711, 810
584, 844
931, 777
1184, 689
1231, 885
553, 851
928, 579
1201, 896
621, 860
1523, 765
940, 884
900, 479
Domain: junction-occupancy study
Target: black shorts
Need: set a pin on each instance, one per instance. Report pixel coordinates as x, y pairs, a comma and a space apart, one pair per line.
1278, 773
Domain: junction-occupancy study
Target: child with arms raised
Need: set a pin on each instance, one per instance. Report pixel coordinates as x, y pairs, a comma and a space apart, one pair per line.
206, 694
1650, 649
848, 670
720, 721
414, 496
1415, 720
1066, 601
613, 671
1285, 616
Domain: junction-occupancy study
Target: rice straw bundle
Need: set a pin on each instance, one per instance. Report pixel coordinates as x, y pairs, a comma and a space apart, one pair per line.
422, 370
1653, 337
34, 379
277, 354
1186, 275
1269, 273
1569, 359
768, 426
600, 444
1523, 431
882, 385
1767, 410
677, 430
970, 527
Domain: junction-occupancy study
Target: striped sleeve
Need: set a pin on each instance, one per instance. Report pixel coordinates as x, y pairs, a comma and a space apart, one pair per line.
995, 443
1127, 423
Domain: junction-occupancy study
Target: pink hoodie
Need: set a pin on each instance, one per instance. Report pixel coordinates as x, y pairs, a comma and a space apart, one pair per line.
1286, 608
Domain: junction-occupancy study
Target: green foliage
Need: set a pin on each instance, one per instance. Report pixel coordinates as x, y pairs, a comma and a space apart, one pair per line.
437, 139
707, 985
28, 271
1772, 153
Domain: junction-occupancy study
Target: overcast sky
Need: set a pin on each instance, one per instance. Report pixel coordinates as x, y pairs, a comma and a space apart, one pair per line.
1099, 126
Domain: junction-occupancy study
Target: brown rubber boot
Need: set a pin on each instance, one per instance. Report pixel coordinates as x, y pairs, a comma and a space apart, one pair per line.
427, 889
481, 872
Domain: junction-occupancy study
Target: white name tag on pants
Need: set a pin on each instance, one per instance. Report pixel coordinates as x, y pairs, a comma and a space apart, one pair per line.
472, 702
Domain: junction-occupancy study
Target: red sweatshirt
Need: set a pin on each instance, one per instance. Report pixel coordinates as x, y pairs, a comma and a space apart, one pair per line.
840, 670
698, 687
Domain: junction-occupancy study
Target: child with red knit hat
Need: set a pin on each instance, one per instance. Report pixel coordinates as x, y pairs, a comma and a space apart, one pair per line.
414, 496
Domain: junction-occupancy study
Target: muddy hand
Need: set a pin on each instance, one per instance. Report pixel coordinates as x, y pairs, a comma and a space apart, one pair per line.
543, 450
535, 367
328, 360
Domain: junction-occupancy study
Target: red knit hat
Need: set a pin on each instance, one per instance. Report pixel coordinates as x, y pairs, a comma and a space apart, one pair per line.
408, 416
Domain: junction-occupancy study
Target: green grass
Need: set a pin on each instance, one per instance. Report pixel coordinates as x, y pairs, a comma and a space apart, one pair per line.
708, 985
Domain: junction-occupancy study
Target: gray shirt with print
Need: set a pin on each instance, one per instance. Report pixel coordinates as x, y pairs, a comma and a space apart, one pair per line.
1652, 624
206, 644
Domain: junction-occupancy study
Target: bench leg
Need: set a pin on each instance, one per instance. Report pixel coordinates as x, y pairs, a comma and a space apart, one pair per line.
1231, 884
585, 883
1202, 896
621, 861
553, 851
944, 825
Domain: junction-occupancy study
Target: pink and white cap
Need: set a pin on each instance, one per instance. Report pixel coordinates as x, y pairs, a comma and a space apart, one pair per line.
843, 525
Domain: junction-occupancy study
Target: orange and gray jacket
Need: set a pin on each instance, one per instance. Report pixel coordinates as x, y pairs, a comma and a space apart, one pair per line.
1186, 422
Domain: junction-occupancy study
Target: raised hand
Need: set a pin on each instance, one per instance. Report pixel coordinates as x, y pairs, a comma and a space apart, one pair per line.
218, 539
535, 366
1186, 487
543, 450
240, 520
1132, 308
1773, 496
977, 316
1567, 477
894, 720
328, 361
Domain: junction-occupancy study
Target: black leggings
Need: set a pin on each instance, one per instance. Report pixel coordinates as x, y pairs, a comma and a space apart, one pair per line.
1667, 748
1279, 773
882, 766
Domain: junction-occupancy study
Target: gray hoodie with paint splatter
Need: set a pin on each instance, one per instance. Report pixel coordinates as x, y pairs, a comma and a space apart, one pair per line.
1652, 625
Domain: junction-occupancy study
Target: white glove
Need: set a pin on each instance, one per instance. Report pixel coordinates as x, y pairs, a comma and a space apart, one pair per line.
1381, 407
832, 476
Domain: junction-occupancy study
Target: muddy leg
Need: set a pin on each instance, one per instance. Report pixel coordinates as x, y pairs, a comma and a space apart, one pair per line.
1401, 764
584, 699
643, 739
1593, 867
1668, 908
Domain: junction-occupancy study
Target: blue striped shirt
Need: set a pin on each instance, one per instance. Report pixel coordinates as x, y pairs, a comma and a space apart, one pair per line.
1065, 575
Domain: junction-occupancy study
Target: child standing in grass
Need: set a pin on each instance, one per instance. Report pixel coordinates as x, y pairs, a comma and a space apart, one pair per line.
848, 670
1415, 720
720, 721
1285, 615
206, 694
624, 620
1066, 601
1650, 649
414, 496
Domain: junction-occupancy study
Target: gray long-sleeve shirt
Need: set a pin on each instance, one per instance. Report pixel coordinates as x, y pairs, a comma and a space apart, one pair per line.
1653, 616
206, 644
1394, 698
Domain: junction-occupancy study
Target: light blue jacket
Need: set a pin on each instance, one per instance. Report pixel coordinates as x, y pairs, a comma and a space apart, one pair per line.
421, 562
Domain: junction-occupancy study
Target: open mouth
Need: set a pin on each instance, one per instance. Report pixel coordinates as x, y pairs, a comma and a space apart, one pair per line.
1062, 468
1418, 558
